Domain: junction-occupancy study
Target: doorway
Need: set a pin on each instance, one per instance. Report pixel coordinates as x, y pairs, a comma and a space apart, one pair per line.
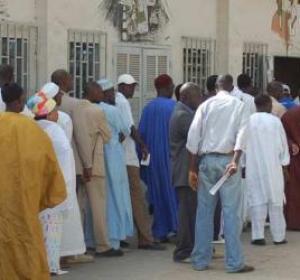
287, 71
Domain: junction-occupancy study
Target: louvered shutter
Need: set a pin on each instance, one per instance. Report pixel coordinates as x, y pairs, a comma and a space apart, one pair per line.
156, 62
129, 61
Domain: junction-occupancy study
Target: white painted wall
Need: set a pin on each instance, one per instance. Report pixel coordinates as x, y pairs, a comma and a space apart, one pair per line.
248, 21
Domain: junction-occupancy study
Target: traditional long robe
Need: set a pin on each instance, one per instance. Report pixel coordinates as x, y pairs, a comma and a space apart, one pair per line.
53, 219
119, 209
72, 242
267, 151
291, 123
30, 181
154, 129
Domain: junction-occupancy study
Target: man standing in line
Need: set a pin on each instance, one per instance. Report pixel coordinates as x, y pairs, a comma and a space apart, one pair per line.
267, 156
182, 117
30, 182
291, 123
217, 136
246, 98
126, 88
7, 77
88, 134
275, 90
211, 86
245, 85
154, 129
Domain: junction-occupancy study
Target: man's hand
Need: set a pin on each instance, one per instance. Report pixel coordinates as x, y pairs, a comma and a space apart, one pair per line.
145, 152
193, 180
87, 175
121, 137
231, 168
295, 149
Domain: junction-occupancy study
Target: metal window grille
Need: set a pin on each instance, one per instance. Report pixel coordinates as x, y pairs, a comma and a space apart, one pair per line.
255, 63
18, 48
198, 60
87, 57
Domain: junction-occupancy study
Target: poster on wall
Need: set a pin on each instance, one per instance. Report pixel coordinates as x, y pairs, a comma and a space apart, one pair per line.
137, 20
286, 20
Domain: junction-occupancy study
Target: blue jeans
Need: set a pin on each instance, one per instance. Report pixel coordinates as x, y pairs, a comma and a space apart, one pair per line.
211, 169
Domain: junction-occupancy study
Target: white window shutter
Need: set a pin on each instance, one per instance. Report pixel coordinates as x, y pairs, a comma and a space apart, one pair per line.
156, 62
129, 61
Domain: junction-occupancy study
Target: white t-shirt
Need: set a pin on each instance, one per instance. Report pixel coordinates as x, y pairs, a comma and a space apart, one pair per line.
129, 145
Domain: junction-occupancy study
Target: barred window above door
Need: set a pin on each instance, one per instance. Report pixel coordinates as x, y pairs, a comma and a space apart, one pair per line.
198, 59
87, 58
255, 63
18, 48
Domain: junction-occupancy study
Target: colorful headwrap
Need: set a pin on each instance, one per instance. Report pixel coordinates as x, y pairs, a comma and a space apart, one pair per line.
105, 84
40, 105
163, 81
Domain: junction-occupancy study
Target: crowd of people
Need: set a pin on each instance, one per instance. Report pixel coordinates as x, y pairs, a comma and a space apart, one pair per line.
73, 170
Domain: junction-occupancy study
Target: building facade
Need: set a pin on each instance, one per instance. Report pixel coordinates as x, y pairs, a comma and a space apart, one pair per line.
189, 39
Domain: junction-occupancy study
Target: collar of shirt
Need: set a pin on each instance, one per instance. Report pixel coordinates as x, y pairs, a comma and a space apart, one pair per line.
223, 92
187, 107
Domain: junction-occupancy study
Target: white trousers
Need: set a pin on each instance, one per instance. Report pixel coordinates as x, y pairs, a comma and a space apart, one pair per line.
277, 222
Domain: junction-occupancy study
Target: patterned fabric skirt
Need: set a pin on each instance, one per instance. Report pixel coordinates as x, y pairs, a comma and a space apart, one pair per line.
52, 222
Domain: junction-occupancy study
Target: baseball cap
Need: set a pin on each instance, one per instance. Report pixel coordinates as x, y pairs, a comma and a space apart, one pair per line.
126, 79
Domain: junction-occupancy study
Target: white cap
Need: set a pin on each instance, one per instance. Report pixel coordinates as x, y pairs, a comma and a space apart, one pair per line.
126, 79
286, 89
50, 90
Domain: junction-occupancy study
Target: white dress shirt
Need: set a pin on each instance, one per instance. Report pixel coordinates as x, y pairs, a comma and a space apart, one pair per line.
129, 145
247, 99
218, 126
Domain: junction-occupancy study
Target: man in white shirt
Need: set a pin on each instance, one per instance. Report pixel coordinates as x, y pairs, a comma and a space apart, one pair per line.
246, 98
275, 90
267, 154
7, 77
126, 88
217, 136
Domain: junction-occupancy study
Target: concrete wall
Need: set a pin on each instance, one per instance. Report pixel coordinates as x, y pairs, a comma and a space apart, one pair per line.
231, 22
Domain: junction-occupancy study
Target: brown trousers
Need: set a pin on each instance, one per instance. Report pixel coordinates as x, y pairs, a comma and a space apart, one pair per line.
94, 192
140, 216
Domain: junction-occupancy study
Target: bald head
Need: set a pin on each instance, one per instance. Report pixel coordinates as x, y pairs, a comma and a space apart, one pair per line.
63, 79
275, 89
225, 82
190, 95
93, 92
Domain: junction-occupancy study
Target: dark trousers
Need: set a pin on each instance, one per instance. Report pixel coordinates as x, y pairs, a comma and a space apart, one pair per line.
187, 199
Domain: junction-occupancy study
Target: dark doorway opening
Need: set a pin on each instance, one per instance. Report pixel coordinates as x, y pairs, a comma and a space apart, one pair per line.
287, 71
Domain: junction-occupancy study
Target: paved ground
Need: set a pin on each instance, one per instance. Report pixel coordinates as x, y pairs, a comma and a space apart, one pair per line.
271, 262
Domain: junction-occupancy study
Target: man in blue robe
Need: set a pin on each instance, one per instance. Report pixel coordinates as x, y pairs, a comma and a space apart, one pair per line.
154, 130
119, 210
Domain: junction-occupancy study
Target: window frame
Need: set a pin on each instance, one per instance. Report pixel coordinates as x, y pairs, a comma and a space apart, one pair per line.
201, 63
89, 39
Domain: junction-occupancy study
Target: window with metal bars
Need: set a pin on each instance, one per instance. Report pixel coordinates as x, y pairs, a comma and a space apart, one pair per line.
255, 63
87, 58
198, 60
18, 49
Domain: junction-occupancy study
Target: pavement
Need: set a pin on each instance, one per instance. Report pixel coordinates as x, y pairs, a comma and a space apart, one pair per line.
271, 263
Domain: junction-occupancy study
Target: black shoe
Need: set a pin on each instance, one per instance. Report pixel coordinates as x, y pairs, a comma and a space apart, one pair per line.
152, 247
245, 269
164, 240
281, 242
124, 244
110, 253
259, 242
